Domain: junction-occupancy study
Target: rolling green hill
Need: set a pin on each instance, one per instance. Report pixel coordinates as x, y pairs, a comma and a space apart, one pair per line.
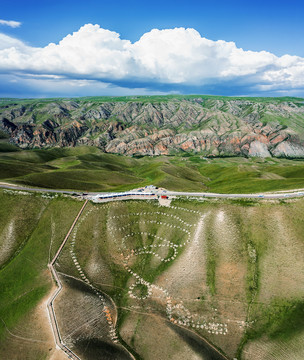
89, 169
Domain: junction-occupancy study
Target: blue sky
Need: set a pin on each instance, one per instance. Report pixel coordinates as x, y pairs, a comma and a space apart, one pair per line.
207, 66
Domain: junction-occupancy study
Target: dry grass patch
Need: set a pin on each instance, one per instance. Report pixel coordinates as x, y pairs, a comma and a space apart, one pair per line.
282, 267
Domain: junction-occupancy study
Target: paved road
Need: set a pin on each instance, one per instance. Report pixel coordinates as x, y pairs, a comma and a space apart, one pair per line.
26, 188
281, 195
273, 195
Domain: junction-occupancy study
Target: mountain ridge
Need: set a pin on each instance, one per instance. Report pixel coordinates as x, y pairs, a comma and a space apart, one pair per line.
211, 126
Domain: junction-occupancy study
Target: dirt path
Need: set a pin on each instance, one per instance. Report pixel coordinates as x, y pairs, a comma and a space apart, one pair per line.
33, 337
22, 337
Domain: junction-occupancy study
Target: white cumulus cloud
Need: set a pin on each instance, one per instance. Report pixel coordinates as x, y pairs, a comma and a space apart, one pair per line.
10, 23
169, 57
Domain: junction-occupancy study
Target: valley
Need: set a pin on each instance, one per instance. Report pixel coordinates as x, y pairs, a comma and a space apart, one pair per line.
151, 180
88, 169
205, 264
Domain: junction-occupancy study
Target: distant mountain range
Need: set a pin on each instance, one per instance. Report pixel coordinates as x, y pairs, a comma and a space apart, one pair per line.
211, 126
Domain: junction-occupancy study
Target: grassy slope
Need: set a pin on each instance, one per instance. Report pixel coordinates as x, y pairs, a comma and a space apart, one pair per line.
89, 169
101, 247
25, 279
274, 318
248, 224
17, 224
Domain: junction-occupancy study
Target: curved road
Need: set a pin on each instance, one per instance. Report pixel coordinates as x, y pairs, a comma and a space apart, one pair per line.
267, 195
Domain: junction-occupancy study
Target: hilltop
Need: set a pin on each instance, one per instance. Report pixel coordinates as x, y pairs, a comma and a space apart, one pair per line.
159, 125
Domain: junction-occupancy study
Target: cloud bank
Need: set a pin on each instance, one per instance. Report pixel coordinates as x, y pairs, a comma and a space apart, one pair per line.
10, 23
175, 59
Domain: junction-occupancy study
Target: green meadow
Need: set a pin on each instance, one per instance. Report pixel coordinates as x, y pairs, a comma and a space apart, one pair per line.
39, 225
89, 169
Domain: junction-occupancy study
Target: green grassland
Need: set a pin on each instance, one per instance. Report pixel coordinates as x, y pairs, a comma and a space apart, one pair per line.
89, 169
243, 245
40, 225
17, 224
271, 316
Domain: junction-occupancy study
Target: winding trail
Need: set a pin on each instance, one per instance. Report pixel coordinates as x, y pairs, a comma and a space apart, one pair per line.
50, 303
21, 337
